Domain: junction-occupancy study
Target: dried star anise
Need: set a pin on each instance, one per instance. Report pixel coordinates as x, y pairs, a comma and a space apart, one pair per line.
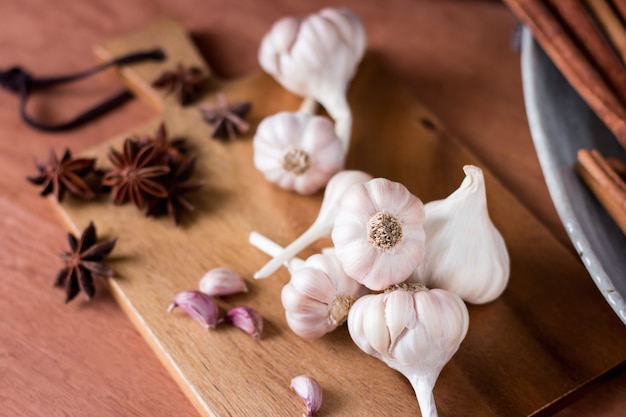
227, 119
84, 262
185, 82
65, 174
174, 148
178, 184
137, 173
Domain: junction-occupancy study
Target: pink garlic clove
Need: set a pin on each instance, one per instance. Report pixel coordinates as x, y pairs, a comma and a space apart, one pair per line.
222, 281
310, 391
247, 319
198, 305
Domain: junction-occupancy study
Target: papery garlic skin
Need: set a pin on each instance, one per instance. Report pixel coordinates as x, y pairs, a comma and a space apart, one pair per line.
378, 233
222, 281
198, 305
413, 330
297, 151
318, 296
310, 391
317, 57
323, 224
465, 253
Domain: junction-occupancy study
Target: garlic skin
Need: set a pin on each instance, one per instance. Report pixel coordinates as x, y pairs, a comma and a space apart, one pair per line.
297, 151
413, 330
310, 391
378, 233
319, 295
198, 305
316, 57
465, 253
247, 319
323, 224
222, 281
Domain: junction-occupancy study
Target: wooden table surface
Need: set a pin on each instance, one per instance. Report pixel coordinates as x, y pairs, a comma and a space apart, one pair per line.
86, 359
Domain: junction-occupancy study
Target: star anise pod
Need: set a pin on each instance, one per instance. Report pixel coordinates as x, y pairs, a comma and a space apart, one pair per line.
65, 174
84, 262
227, 119
175, 148
178, 184
137, 173
185, 82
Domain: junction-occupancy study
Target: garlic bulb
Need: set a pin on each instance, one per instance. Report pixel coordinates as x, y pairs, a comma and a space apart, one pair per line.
317, 57
465, 253
413, 330
378, 233
297, 151
323, 224
319, 295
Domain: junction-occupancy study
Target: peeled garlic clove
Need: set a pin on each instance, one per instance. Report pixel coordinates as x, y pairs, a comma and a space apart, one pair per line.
297, 151
318, 296
465, 253
378, 233
323, 224
198, 305
247, 319
310, 391
222, 281
298, 52
413, 330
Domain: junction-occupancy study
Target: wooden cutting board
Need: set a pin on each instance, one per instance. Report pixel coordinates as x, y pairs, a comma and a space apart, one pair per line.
543, 338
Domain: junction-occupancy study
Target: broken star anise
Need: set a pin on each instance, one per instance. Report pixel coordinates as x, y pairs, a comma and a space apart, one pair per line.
185, 82
227, 119
178, 184
137, 173
65, 174
84, 262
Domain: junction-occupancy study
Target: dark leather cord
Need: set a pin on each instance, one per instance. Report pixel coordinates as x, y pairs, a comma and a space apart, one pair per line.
19, 81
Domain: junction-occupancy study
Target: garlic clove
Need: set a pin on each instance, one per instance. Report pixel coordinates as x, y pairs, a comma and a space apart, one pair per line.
378, 233
247, 319
413, 330
222, 281
323, 224
198, 305
297, 151
310, 391
465, 253
318, 296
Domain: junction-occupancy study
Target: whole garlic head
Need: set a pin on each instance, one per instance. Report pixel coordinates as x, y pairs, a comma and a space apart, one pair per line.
319, 295
378, 233
413, 330
297, 151
465, 253
316, 57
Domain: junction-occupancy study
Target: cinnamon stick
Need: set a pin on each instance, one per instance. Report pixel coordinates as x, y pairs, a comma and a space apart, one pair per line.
593, 44
611, 23
605, 183
578, 70
618, 166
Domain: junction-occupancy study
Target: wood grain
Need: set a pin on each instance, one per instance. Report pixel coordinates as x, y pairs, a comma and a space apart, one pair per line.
85, 359
394, 137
